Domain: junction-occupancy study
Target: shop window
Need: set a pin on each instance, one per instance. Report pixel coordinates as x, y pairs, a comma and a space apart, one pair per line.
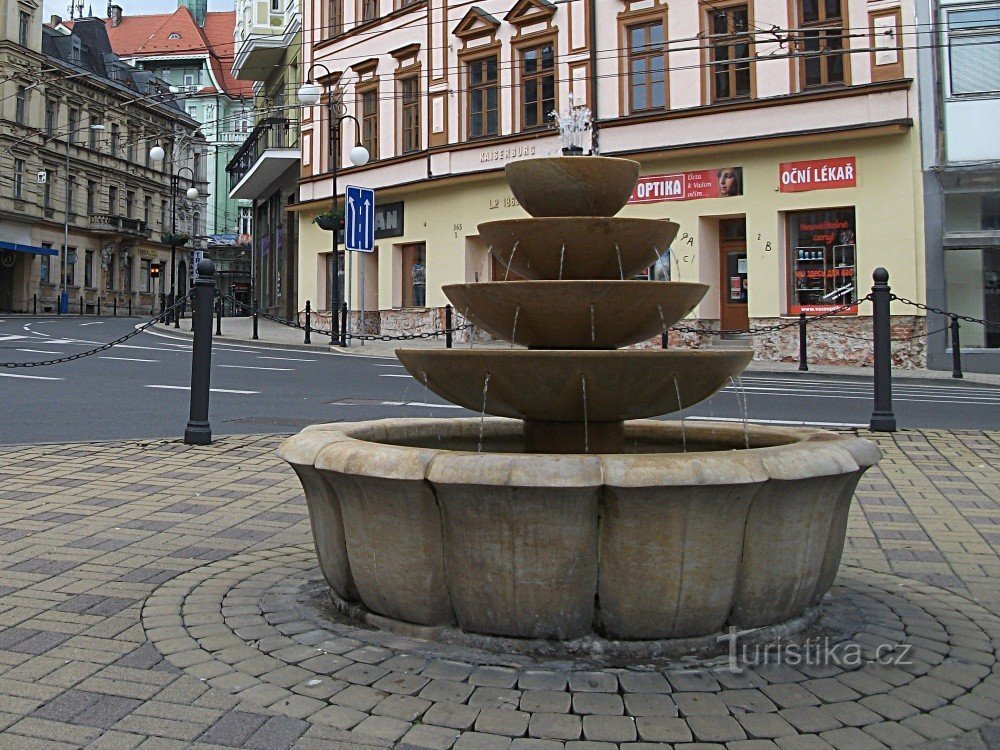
823, 260
647, 78
484, 97
973, 36
127, 272
410, 114
821, 43
88, 269
45, 269
730, 51
414, 275
369, 122
973, 288
69, 267
538, 85
145, 277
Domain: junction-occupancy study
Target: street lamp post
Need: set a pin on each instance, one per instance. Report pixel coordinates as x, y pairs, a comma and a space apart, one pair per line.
156, 155
310, 95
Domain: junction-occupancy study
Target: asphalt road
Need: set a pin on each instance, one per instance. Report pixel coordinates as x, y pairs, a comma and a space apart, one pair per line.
140, 389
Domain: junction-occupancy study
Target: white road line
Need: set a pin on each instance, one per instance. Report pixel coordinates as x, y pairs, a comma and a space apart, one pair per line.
898, 395
775, 421
393, 375
213, 390
288, 359
433, 406
37, 351
153, 349
13, 337
382, 365
27, 377
95, 323
828, 382
129, 359
251, 367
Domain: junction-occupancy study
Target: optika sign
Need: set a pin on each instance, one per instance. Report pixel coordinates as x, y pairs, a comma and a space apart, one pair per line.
724, 182
821, 174
666, 187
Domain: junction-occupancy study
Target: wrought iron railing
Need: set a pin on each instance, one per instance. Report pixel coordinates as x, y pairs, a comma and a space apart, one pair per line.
272, 132
113, 224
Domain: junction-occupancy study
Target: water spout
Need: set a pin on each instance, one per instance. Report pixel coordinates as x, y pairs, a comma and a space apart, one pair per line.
680, 407
482, 414
662, 318
471, 334
741, 400
586, 429
511, 259
621, 270
562, 257
593, 325
513, 332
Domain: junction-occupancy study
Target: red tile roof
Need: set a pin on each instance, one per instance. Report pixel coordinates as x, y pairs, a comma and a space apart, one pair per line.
149, 36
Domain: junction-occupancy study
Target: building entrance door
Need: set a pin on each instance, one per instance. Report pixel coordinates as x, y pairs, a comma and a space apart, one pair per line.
8, 262
414, 275
733, 273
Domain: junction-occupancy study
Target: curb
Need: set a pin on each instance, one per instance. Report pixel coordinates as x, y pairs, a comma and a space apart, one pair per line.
162, 328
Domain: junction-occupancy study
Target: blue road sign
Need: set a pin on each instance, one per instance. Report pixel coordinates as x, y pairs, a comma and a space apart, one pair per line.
360, 220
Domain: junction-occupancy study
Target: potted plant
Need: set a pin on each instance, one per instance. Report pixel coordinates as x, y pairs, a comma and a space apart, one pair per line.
174, 238
330, 220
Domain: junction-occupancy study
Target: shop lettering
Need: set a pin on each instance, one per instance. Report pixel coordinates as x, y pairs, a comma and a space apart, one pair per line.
506, 154
822, 174
664, 188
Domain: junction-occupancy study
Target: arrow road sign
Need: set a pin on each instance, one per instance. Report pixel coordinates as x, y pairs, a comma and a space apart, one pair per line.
360, 225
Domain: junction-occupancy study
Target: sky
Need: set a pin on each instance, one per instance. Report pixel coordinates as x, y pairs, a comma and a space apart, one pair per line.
100, 7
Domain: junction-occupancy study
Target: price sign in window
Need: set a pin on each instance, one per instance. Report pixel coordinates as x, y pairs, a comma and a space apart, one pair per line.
823, 261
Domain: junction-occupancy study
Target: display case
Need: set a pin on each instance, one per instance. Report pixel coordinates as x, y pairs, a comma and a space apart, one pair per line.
823, 261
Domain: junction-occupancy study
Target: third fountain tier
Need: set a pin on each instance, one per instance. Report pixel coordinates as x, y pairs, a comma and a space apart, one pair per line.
577, 306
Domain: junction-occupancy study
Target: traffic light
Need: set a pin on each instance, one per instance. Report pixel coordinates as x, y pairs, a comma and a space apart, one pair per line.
154, 270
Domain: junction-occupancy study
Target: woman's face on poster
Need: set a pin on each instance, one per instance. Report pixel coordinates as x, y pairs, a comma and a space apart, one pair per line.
729, 182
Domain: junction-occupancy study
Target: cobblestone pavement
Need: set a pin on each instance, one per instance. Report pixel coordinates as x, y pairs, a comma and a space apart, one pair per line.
158, 595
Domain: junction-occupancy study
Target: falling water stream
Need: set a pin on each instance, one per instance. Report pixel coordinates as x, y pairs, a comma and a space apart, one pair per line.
513, 332
593, 325
741, 400
621, 270
472, 332
511, 259
680, 407
482, 414
662, 318
562, 257
586, 428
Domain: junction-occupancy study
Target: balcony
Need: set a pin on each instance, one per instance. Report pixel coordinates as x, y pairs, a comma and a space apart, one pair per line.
111, 225
265, 45
269, 153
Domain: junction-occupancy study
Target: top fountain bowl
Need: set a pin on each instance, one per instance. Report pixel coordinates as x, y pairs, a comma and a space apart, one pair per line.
573, 185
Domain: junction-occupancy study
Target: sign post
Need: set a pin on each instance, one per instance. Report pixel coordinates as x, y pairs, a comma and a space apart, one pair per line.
359, 231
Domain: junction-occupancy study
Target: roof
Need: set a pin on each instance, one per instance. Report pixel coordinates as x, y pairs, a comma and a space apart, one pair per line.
149, 36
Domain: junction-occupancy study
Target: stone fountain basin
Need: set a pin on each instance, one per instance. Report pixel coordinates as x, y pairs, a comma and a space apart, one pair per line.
548, 386
572, 186
578, 248
413, 524
575, 314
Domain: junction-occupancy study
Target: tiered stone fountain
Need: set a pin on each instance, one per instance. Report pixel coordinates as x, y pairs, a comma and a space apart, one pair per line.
568, 520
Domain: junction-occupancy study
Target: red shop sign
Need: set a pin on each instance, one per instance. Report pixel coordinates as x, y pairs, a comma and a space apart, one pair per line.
820, 174
685, 186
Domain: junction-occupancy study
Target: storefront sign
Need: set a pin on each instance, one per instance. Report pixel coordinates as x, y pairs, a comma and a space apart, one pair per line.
388, 221
686, 186
820, 174
508, 153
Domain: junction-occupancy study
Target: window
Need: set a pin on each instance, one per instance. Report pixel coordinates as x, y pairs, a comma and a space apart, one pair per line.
70, 195
369, 10
484, 97
246, 219
173, 35
129, 203
95, 123
647, 80
115, 135
21, 105
127, 272
69, 267
414, 262
196, 225
276, 6
145, 278
411, 114
51, 112
730, 52
73, 125
23, 25
91, 196
88, 269
822, 42
18, 178
973, 45
369, 121
47, 189
823, 259
112, 200
538, 85
336, 17
164, 213
147, 208
45, 269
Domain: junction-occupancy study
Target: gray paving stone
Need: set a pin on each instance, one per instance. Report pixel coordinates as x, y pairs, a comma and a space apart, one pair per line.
428, 737
700, 681
598, 703
650, 704
643, 682
502, 721
810, 719
889, 707
555, 726
852, 714
803, 742
534, 679
491, 697
696, 704
480, 741
383, 727
716, 728
454, 715
446, 690
532, 743
747, 700
609, 728
404, 707
401, 682
931, 727
593, 682
442, 669
499, 677
790, 695
359, 697
851, 738
659, 729
546, 701
277, 733
340, 717
765, 725
233, 728
590, 745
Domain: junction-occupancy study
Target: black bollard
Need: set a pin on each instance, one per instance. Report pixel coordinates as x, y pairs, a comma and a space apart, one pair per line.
956, 349
114, 307
98, 305
199, 431
130, 307
447, 326
803, 352
81, 304
218, 315
34, 304
343, 324
308, 322
253, 312
883, 419
665, 340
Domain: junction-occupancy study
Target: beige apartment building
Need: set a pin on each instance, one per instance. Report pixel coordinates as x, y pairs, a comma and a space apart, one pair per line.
779, 134
83, 209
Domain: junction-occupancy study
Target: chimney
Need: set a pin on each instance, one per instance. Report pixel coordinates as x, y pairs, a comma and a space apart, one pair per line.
55, 21
115, 14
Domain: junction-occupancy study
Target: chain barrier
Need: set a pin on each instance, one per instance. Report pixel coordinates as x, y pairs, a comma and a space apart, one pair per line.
939, 311
914, 337
104, 347
772, 328
355, 336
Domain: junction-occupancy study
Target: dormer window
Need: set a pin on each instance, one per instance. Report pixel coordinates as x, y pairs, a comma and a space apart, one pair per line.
174, 35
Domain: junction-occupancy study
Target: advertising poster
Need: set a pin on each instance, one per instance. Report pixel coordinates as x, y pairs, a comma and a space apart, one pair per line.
819, 174
724, 182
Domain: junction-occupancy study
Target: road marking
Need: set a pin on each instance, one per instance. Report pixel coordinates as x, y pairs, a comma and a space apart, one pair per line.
213, 390
13, 337
422, 404
26, 377
129, 359
393, 375
288, 359
37, 351
381, 365
791, 422
153, 349
251, 367
95, 323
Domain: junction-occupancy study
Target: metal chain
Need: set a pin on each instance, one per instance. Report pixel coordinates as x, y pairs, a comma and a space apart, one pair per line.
870, 339
772, 328
939, 311
104, 347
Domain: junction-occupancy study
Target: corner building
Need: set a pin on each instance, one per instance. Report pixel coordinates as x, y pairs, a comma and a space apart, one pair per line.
779, 134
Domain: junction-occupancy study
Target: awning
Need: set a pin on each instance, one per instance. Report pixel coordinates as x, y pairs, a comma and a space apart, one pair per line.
19, 248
